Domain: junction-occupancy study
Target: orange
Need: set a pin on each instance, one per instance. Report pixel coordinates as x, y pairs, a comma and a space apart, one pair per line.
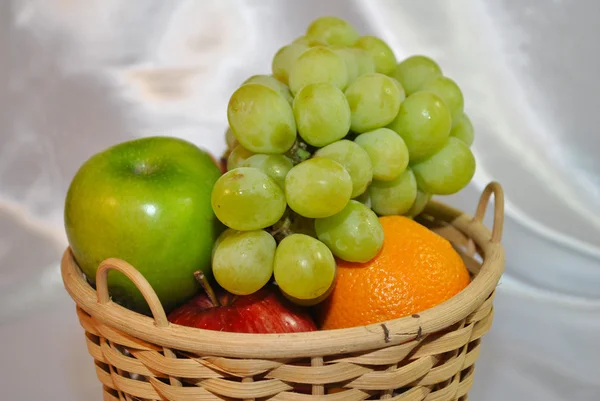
415, 270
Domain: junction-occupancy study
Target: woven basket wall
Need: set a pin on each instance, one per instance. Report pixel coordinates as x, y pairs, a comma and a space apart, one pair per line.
427, 356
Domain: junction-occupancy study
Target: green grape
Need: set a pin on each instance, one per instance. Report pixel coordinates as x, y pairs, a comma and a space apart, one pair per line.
354, 234
316, 65
226, 233
237, 157
364, 61
394, 197
272, 83
450, 93
243, 261
230, 139
374, 101
261, 119
247, 199
284, 59
333, 31
415, 71
419, 204
314, 301
318, 187
355, 160
304, 268
322, 114
448, 171
309, 41
387, 151
275, 166
383, 56
463, 130
400, 88
424, 123
349, 57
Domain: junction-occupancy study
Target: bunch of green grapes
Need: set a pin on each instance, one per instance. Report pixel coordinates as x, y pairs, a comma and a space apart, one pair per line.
338, 134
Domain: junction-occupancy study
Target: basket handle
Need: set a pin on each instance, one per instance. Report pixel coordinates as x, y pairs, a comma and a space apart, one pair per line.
495, 188
160, 318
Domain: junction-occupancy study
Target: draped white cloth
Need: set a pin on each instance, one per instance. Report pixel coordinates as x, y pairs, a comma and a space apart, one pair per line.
80, 75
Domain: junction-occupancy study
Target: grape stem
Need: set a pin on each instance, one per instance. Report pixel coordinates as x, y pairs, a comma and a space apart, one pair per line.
201, 278
299, 152
301, 155
281, 229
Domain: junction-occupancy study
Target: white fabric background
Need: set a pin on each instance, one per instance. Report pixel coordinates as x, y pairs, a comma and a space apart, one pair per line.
79, 75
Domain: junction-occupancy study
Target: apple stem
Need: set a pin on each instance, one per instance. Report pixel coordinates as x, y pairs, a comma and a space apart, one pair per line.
201, 278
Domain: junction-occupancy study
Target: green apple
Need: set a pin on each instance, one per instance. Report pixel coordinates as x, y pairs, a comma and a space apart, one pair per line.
146, 201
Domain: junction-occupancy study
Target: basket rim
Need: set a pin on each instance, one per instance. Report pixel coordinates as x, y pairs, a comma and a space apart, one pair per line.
308, 344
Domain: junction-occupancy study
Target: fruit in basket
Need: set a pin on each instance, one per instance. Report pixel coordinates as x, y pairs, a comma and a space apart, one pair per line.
318, 187
449, 92
364, 62
265, 311
245, 198
146, 201
374, 101
230, 140
333, 31
414, 72
309, 41
447, 171
261, 119
242, 261
415, 270
237, 156
272, 83
463, 130
387, 151
394, 197
349, 56
383, 56
318, 65
424, 122
275, 166
304, 267
354, 159
419, 204
322, 114
284, 59
372, 136
354, 234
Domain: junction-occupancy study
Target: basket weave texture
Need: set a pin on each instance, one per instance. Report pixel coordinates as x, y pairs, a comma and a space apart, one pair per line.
427, 356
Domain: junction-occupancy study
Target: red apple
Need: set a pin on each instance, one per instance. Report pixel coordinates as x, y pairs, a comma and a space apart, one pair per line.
265, 311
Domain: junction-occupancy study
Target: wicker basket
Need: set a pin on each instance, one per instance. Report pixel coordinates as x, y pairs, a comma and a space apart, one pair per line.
426, 356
